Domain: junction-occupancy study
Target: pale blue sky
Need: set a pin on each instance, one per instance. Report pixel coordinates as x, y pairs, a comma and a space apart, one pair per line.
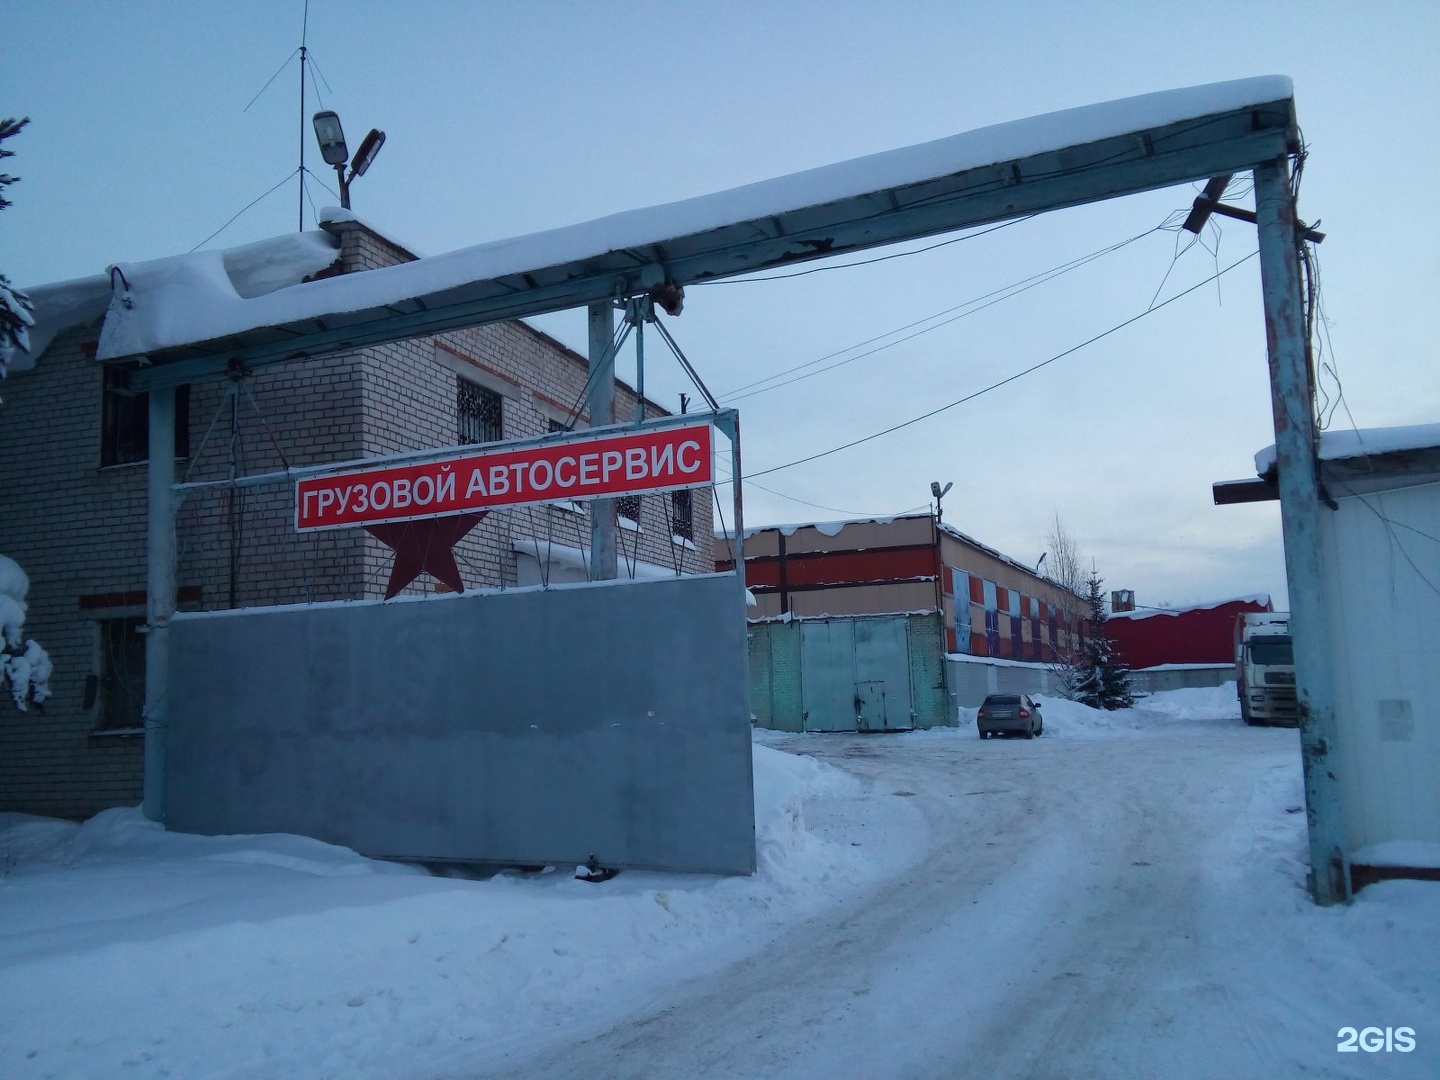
507, 118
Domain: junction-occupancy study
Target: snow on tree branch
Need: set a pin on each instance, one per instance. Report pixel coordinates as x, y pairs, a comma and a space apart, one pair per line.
24, 666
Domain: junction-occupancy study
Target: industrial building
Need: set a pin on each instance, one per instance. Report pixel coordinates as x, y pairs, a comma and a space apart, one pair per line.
893, 623
1171, 648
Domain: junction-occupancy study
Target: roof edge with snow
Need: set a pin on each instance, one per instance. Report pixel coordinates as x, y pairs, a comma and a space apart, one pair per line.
995, 173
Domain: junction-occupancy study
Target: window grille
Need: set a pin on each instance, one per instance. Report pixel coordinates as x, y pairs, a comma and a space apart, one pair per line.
125, 422
628, 507
122, 674
480, 414
682, 515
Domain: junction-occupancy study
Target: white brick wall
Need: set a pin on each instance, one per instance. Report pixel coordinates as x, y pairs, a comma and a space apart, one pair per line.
79, 530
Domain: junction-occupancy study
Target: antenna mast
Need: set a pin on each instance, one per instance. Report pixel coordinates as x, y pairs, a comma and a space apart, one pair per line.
304, 30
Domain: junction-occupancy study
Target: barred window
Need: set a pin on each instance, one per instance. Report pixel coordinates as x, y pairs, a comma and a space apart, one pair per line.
682, 514
122, 674
479, 413
125, 422
628, 507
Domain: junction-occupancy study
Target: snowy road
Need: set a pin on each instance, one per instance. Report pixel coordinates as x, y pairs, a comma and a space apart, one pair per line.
1120, 899
1061, 924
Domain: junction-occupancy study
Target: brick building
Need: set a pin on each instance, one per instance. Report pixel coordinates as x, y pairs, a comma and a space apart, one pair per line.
73, 503
990, 604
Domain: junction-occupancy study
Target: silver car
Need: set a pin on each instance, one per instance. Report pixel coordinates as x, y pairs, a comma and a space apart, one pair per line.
1010, 714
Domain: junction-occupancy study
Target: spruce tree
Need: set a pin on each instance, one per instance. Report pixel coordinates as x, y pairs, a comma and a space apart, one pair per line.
16, 313
1098, 676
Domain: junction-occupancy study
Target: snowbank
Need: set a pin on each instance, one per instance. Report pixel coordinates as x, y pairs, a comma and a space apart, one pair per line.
1196, 708
125, 948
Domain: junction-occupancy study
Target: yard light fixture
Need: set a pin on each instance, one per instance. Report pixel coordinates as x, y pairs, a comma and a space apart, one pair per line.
331, 137
939, 493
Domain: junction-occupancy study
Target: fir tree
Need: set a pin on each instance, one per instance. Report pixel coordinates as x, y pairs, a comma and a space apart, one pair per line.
16, 316
1098, 676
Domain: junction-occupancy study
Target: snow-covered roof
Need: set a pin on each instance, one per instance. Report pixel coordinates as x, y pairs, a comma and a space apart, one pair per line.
1365, 442
828, 528
59, 307
1262, 599
571, 558
185, 301
238, 273
834, 528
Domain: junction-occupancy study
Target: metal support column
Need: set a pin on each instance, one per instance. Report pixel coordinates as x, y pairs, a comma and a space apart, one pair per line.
160, 593
1300, 512
602, 412
637, 312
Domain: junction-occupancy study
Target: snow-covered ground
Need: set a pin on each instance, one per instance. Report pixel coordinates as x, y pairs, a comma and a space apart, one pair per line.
1123, 897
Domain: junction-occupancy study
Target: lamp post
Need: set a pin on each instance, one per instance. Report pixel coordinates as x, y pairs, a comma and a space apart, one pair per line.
331, 137
939, 493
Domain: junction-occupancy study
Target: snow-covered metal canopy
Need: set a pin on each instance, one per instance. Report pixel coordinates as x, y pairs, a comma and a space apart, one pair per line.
187, 324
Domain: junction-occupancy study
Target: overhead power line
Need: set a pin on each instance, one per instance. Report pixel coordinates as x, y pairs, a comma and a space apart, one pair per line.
969, 307
1003, 382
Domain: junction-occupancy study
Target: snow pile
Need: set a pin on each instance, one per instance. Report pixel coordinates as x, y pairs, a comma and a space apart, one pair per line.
24, 666
1399, 853
1195, 708
1195, 703
1192, 707
1072, 720
125, 948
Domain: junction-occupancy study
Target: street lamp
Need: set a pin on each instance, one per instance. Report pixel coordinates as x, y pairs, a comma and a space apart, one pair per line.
939, 493
333, 149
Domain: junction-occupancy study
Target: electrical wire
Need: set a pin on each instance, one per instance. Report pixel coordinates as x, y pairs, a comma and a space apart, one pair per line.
242, 210
729, 478
869, 262
272, 78
989, 299
1003, 382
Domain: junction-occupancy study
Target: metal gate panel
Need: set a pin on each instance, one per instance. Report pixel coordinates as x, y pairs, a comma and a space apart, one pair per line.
827, 664
486, 735
870, 706
882, 657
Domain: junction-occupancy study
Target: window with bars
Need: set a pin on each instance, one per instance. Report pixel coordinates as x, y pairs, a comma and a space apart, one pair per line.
682, 514
479, 413
122, 674
125, 422
628, 507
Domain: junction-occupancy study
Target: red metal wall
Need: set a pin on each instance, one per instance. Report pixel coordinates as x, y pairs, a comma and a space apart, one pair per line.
1202, 635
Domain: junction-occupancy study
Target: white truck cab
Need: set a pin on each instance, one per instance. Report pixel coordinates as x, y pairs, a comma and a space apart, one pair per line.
1265, 668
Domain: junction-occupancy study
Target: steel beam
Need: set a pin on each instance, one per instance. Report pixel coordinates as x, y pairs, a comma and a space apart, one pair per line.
1300, 511
1104, 169
160, 595
601, 401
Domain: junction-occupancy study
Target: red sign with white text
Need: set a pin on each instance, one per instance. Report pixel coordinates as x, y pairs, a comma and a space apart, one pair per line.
600, 466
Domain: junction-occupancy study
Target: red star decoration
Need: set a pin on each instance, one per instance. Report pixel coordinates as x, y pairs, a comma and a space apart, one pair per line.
424, 547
